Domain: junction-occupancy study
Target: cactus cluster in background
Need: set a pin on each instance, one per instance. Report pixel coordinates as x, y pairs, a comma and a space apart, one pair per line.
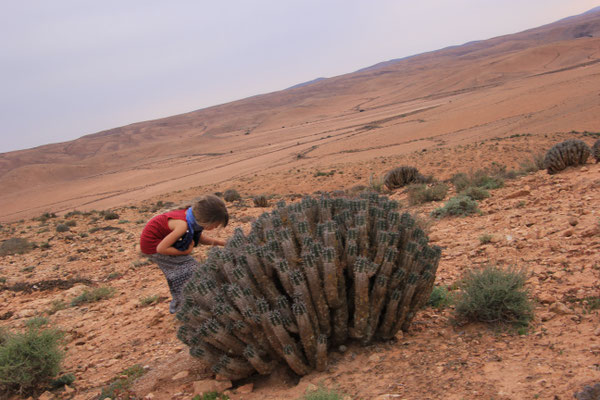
571, 152
402, 176
596, 150
308, 276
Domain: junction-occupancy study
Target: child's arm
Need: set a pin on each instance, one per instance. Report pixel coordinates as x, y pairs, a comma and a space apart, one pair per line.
178, 229
211, 241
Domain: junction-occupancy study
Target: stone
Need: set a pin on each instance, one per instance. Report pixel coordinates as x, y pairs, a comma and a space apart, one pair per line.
560, 308
180, 375
149, 396
568, 233
210, 385
343, 348
597, 331
46, 396
546, 298
68, 389
573, 221
245, 389
518, 193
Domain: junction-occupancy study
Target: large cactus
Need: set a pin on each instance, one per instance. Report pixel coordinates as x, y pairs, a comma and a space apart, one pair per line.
571, 152
309, 275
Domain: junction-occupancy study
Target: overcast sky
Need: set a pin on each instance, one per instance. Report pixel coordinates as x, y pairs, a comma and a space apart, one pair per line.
74, 67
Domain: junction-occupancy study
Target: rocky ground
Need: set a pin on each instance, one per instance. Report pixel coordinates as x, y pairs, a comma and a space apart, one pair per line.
549, 225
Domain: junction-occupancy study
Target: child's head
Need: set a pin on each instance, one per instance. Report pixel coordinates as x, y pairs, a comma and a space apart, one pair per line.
210, 212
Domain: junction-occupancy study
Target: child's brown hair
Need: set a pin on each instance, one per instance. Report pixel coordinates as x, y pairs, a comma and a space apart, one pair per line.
209, 209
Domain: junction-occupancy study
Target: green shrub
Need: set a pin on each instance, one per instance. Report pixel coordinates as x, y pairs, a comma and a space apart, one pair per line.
29, 360
475, 193
62, 228
149, 300
480, 178
91, 296
533, 164
55, 306
485, 238
495, 295
15, 245
108, 215
323, 393
231, 195
440, 297
419, 193
211, 396
64, 380
460, 181
457, 206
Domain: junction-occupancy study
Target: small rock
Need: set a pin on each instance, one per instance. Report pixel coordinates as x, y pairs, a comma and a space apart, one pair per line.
247, 388
546, 298
68, 389
518, 193
149, 396
374, 358
210, 385
560, 308
547, 316
573, 221
46, 396
343, 348
584, 169
597, 331
311, 388
568, 233
180, 375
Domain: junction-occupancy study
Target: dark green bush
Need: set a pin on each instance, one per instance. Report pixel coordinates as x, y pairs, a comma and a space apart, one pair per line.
29, 360
66, 379
457, 206
596, 150
480, 178
440, 297
15, 246
420, 193
495, 295
108, 215
71, 223
323, 393
231, 195
62, 228
475, 193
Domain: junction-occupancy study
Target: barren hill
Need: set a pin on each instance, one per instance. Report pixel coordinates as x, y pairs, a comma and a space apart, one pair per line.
538, 81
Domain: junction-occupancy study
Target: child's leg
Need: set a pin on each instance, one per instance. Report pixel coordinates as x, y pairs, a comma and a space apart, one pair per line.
177, 270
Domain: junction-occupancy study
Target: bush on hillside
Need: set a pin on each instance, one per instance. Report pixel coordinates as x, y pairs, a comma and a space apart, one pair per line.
475, 193
402, 176
420, 193
495, 295
457, 206
596, 150
15, 245
231, 195
29, 360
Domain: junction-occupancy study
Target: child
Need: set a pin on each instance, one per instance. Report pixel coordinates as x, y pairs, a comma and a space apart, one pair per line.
169, 238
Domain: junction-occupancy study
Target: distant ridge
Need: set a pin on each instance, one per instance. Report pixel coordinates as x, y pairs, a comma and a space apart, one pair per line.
306, 83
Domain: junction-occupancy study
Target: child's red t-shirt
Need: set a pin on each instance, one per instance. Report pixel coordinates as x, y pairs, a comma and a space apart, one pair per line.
157, 229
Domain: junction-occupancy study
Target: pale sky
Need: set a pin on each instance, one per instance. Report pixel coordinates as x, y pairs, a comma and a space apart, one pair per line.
69, 68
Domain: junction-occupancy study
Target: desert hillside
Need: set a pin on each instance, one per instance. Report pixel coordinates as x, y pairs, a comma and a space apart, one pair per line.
547, 225
540, 81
